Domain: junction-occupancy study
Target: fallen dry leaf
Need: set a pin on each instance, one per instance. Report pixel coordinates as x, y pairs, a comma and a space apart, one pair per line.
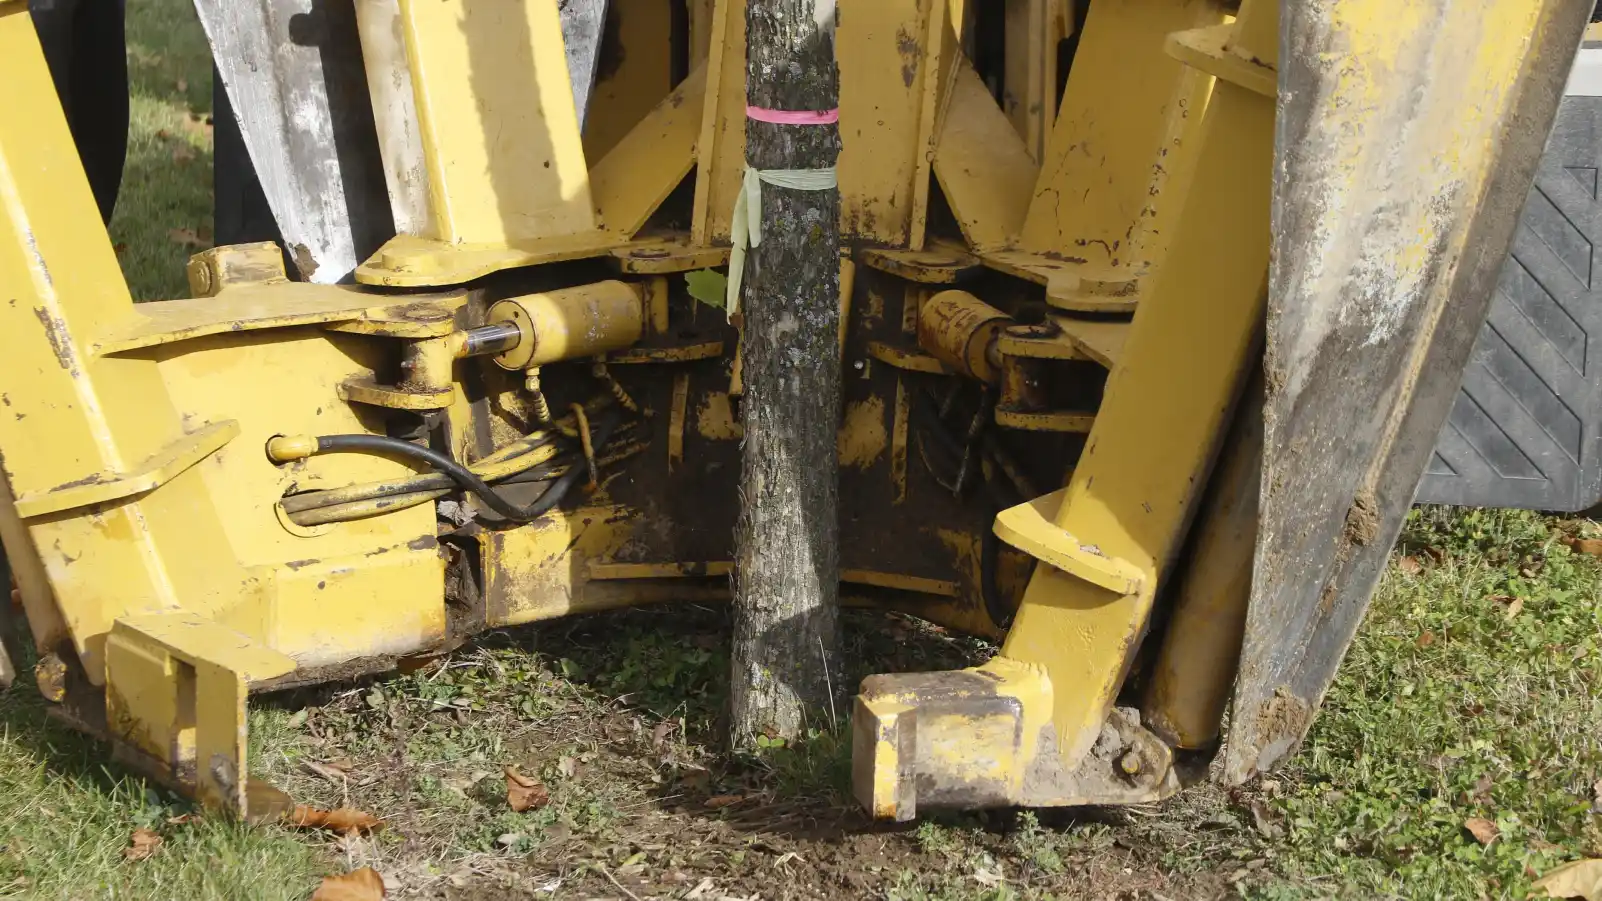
358, 885
524, 792
342, 819
183, 819
143, 844
719, 801
1514, 608
185, 237
1482, 789
1580, 879
1425, 640
1263, 820
1592, 546
1483, 830
199, 124
331, 770
1410, 565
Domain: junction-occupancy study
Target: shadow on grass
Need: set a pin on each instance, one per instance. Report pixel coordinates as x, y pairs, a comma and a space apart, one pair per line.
79, 759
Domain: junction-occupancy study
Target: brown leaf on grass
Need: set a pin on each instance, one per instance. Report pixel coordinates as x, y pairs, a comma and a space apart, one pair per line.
1483, 830
1264, 821
1579, 879
183, 819
1482, 788
185, 237
199, 124
717, 802
1425, 640
336, 771
524, 792
1514, 605
1591, 546
341, 819
143, 844
1410, 565
358, 885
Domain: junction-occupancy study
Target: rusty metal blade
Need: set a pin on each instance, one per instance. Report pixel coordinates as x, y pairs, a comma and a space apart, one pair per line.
1407, 138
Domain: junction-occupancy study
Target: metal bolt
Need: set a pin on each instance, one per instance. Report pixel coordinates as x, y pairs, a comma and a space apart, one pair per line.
1130, 762
51, 675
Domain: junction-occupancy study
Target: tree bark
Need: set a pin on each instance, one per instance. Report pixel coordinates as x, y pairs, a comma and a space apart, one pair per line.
787, 560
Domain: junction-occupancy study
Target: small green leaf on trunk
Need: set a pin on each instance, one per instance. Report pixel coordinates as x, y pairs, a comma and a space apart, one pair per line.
709, 286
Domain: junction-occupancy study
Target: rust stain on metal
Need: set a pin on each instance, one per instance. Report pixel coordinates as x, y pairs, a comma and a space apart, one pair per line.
56, 333
93, 479
862, 438
907, 46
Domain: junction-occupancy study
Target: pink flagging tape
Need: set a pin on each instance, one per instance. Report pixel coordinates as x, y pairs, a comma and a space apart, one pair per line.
793, 117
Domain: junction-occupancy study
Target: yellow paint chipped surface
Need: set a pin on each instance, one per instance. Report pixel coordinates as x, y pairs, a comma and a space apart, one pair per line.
714, 419
863, 438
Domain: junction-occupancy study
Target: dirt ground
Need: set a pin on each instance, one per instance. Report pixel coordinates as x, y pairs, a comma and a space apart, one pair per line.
617, 717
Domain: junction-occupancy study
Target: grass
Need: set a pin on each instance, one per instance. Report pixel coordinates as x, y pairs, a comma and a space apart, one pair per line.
1472, 691
163, 212
66, 815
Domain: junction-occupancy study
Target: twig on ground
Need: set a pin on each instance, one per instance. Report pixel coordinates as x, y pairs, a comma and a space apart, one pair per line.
601, 867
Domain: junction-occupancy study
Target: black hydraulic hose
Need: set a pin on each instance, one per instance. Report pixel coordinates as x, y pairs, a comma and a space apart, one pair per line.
989, 543
434, 481
461, 475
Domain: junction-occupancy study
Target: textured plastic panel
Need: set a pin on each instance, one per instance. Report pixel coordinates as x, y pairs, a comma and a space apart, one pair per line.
1526, 430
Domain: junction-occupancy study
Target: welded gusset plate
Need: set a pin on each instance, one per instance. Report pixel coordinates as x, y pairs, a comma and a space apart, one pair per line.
1406, 140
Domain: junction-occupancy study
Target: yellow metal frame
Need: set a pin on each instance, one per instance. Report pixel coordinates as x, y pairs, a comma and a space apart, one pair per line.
1107, 540
165, 577
148, 508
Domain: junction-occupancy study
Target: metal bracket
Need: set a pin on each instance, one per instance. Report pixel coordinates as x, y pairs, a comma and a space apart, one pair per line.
983, 738
1031, 528
176, 684
160, 468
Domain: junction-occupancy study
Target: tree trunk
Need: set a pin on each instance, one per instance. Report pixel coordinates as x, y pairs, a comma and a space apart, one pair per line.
787, 559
